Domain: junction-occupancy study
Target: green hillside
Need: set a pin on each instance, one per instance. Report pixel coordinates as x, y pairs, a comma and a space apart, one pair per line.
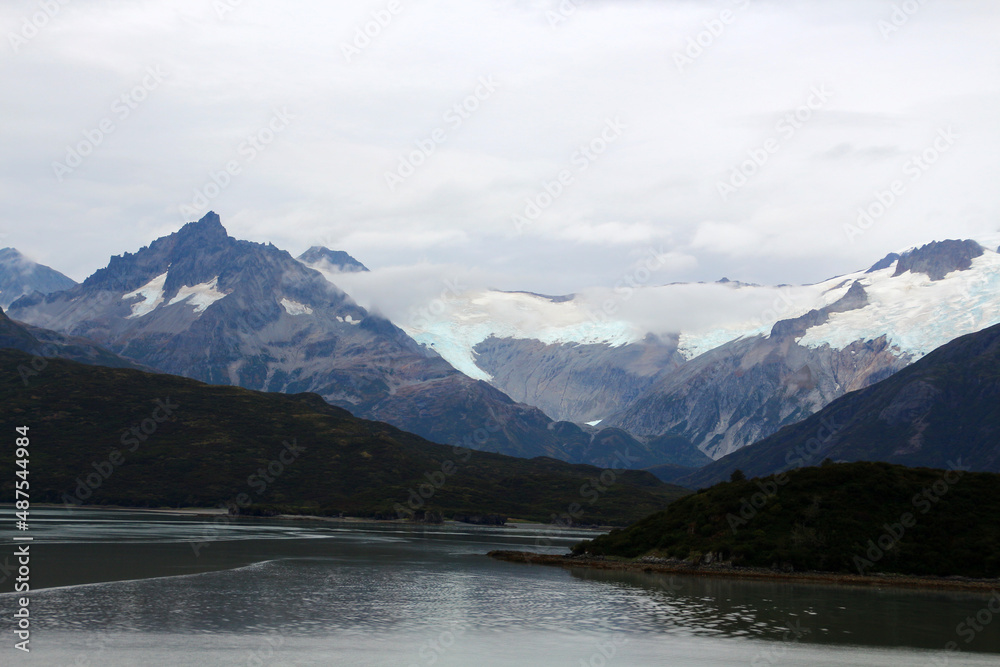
851, 517
95, 437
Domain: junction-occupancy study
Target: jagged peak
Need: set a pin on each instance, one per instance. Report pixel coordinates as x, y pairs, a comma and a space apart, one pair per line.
939, 258
210, 225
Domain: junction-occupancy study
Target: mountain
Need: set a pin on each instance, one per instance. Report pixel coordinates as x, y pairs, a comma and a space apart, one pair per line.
335, 261
118, 436
43, 344
575, 382
20, 276
204, 305
942, 409
731, 380
858, 518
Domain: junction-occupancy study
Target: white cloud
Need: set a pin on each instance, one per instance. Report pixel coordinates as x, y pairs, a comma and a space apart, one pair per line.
324, 176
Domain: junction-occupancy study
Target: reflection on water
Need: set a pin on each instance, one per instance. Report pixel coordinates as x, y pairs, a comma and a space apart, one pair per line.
303, 592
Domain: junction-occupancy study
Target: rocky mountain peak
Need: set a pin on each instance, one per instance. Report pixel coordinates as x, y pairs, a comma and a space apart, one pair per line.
855, 298
338, 259
885, 262
208, 229
939, 258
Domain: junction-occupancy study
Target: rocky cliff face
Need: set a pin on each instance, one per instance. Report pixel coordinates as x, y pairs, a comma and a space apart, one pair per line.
940, 412
576, 382
716, 403
748, 389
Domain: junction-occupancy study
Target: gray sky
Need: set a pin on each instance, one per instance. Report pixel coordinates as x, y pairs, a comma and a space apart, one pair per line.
667, 121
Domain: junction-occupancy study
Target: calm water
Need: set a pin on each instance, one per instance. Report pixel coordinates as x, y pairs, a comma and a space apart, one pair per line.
126, 588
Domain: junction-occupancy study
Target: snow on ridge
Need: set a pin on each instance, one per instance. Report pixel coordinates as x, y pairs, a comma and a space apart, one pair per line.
475, 316
295, 308
200, 296
792, 301
152, 297
915, 313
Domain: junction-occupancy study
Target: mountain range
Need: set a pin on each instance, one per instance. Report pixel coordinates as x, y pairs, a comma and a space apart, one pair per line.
559, 377
942, 411
724, 385
201, 304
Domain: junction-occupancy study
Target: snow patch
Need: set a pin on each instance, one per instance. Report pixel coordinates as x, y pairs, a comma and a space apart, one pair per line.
200, 296
475, 316
791, 302
295, 308
915, 313
152, 297
594, 423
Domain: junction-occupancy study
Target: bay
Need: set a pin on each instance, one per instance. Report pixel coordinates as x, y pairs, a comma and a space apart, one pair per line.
118, 587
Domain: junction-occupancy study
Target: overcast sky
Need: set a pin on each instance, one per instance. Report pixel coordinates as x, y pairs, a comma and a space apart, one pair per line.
670, 96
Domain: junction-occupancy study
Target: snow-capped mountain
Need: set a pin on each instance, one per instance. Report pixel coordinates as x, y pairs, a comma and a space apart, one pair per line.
780, 354
602, 364
940, 410
202, 304
19, 276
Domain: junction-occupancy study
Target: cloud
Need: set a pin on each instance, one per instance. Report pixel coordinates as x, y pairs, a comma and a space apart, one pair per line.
556, 86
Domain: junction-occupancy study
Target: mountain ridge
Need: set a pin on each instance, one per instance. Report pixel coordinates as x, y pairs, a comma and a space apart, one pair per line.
941, 408
19, 276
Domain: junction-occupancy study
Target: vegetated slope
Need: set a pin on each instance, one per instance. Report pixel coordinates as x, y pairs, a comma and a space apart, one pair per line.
944, 407
851, 517
95, 437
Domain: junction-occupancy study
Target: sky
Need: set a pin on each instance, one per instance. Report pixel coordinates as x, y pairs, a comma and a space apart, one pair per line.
542, 145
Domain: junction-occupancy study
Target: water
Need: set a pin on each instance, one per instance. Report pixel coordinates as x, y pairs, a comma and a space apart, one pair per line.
126, 588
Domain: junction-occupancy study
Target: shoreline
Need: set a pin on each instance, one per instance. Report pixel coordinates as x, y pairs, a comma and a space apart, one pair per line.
210, 512
838, 578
